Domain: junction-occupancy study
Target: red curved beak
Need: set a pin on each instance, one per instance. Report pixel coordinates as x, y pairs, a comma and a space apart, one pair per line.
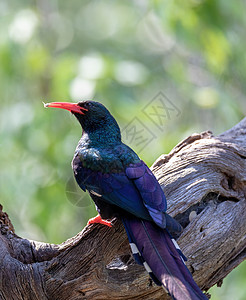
72, 107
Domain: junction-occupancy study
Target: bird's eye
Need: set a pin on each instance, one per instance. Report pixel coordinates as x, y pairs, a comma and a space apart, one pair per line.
87, 104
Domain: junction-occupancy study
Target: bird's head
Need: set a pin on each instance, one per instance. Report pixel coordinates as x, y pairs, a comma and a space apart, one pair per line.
93, 116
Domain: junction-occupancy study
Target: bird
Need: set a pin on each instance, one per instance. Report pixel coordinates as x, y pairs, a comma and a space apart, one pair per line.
122, 186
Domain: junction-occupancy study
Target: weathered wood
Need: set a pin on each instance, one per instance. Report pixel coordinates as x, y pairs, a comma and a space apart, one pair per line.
204, 178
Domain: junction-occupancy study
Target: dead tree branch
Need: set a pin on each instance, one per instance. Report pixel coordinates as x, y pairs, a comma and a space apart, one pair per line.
204, 179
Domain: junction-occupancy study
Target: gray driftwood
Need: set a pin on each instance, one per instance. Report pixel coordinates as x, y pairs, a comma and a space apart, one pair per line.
204, 178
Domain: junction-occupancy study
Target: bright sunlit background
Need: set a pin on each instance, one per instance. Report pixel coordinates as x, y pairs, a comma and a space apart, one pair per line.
165, 69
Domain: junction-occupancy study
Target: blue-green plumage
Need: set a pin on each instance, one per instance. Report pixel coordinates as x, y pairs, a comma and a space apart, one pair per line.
100, 157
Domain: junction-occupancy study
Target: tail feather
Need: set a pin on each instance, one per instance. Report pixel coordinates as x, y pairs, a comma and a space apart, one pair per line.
137, 255
162, 258
181, 254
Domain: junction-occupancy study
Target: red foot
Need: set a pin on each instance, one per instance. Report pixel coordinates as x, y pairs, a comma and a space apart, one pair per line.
99, 220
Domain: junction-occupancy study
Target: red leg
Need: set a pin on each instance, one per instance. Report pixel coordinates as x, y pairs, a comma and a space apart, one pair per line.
99, 220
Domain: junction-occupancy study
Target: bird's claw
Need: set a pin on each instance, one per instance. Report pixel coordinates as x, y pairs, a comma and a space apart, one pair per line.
99, 220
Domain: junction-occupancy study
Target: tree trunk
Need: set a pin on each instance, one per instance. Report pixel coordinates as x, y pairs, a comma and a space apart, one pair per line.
204, 179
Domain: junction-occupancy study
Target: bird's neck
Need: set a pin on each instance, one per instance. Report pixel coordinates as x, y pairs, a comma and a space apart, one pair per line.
100, 138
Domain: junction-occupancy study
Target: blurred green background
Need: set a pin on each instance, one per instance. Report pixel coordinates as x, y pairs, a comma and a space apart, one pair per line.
186, 57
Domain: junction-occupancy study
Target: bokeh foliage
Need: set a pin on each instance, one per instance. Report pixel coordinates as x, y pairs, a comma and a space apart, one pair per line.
122, 53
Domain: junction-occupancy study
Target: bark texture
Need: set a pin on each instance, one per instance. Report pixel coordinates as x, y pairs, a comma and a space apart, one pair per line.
204, 179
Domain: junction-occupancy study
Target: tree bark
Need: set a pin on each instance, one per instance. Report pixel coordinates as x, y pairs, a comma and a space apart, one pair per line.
204, 179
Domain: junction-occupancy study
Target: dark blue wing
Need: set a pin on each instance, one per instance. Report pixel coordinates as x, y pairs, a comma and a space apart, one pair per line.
136, 190
150, 190
114, 188
152, 195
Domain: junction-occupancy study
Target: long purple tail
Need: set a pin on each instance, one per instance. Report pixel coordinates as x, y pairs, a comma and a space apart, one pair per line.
154, 248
